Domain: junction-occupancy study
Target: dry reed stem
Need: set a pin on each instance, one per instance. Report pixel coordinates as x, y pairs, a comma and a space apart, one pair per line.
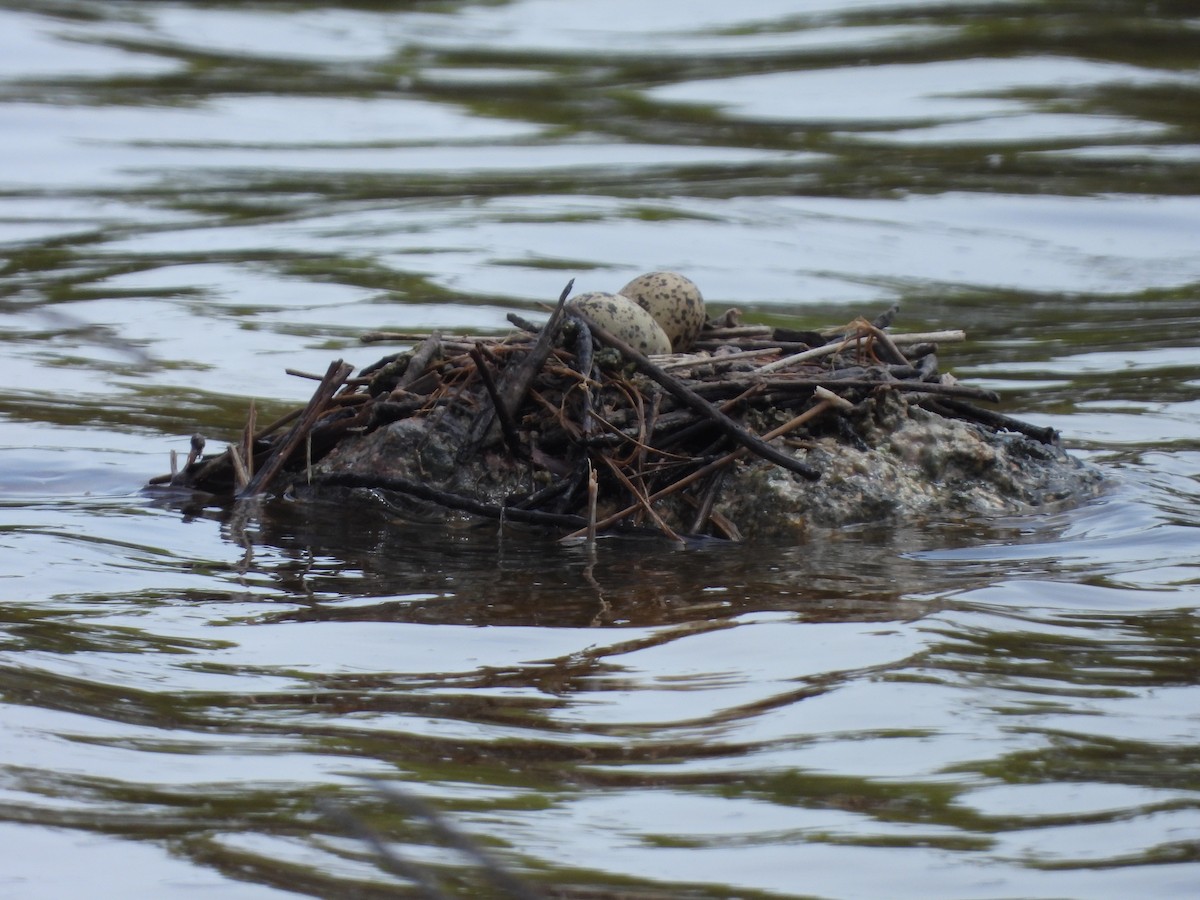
707, 359
248, 439
592, 495
855, 339
240, 477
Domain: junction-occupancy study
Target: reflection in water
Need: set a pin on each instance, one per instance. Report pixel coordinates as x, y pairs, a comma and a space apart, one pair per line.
430, 570
195, 196
852, 694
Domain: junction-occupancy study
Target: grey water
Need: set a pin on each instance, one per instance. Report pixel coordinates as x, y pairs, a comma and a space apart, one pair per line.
203, 701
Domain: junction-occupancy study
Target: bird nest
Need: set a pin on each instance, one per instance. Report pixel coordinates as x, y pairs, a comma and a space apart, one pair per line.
754, 430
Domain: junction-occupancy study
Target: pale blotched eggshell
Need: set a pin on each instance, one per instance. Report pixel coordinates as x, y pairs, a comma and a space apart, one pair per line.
675, 303
623, 318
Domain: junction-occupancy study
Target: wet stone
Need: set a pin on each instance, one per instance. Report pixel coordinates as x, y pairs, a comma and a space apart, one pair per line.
910, 464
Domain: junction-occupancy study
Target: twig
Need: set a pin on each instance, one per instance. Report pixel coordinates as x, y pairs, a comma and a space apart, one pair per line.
736, 331
828, 400
752, 344
999, 421
407, 337
523, 323
592, 493
517, 380
337, 372
240, 476
248, 439
899, 340
419, 361
584, 354
511, 438
690, 398
891, 352
911, 387
641, 500
708, 498
646, 428
776, 386
725, 526
285, 419
708, 359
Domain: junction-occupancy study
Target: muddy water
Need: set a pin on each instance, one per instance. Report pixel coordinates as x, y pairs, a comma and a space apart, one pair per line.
213, 702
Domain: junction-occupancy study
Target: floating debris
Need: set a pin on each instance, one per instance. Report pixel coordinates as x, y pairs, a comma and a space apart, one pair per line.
750, 430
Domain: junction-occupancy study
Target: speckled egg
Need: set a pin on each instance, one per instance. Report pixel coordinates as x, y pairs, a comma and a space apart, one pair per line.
624, 318
675, 303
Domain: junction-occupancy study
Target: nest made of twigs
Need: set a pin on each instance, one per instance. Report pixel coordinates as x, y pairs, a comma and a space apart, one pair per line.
593, 435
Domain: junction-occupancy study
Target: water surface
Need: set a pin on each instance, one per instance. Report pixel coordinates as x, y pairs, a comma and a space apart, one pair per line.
210, 701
